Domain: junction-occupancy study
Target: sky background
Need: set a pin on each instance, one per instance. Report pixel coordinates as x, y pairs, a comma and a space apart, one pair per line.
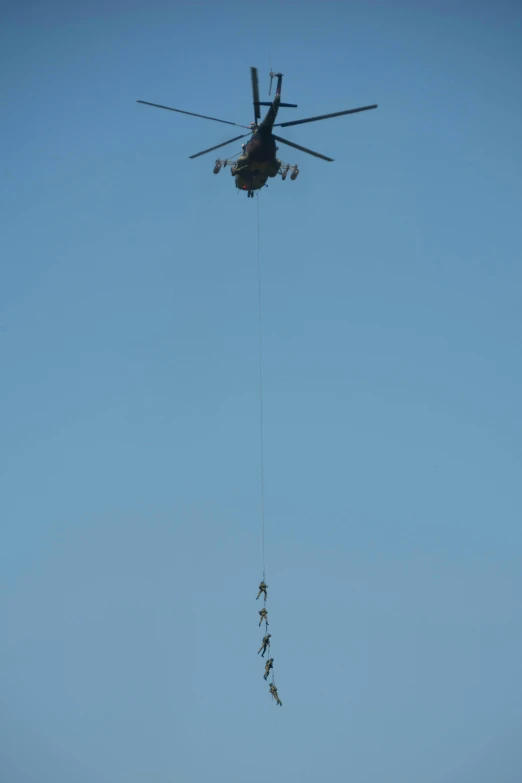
130, 546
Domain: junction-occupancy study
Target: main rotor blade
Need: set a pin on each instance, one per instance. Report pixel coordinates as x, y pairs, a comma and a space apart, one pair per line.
303, 149
325, 116
286, 105
219, 145
255, 92
180, 111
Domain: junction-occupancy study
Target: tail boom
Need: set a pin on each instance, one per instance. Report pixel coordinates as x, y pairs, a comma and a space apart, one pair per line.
268, 123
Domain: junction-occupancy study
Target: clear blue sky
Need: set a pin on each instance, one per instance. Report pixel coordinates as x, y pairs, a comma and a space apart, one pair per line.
129, 441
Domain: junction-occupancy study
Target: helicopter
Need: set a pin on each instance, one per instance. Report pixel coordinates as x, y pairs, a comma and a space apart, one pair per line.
258, 160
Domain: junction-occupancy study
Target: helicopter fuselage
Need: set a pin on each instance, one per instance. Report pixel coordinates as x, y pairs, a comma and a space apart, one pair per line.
258, 161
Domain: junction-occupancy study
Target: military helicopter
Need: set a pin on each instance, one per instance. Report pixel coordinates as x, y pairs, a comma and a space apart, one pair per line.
258, 160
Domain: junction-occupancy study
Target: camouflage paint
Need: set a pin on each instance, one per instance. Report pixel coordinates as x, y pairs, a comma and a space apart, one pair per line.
259, 161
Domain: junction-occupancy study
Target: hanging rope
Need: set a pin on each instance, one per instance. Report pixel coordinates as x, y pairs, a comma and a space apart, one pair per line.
262, 455
268, 649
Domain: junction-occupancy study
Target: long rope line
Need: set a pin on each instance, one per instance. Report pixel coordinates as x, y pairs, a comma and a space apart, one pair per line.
261, 441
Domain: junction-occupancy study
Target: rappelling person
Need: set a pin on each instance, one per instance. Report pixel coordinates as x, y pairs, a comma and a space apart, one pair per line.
265, 644
263, 616
262, 589
273, 691
268, 665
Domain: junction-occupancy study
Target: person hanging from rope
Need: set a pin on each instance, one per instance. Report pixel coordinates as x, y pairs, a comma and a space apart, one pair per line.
265, 644
263, 616
262, 589
273, 691
268, 665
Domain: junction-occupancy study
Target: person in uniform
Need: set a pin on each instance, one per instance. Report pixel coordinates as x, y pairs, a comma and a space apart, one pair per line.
263, 616
273, 691
262, 589
264, 644
268, 665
